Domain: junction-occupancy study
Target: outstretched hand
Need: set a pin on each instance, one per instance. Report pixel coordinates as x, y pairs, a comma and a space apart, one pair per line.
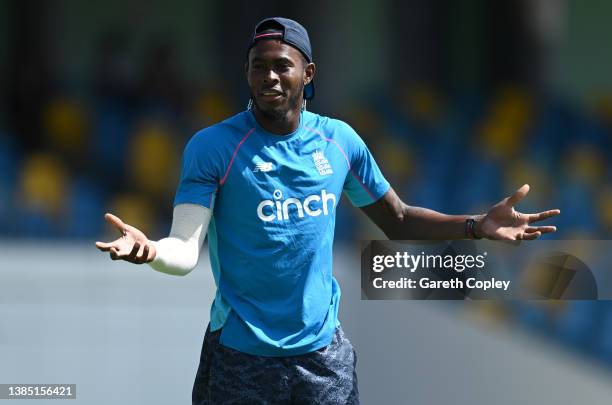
504, 222
132, 246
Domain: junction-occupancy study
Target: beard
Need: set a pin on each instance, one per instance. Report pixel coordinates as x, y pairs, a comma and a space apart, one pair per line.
280, 112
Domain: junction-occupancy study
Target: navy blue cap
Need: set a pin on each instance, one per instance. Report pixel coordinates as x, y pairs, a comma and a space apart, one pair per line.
292, 33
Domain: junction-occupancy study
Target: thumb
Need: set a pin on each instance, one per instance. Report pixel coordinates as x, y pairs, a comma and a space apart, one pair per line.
115, 221
518, 195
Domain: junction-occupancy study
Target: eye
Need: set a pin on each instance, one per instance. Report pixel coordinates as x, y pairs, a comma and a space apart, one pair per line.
283, 66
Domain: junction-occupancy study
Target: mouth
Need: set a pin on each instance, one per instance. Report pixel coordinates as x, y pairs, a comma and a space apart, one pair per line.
270, 95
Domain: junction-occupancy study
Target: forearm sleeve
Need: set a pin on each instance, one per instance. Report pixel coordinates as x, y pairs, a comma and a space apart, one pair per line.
178, 253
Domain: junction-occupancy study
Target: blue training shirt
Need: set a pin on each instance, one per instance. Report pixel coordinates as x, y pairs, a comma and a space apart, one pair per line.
274, 200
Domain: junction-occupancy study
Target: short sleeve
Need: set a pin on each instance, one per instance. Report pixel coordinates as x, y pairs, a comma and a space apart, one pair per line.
365, 183
200, 172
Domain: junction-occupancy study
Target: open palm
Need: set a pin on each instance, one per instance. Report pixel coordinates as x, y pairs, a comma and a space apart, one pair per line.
132, 246
504, 222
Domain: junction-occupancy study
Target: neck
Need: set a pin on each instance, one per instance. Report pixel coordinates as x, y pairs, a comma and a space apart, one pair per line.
278, 125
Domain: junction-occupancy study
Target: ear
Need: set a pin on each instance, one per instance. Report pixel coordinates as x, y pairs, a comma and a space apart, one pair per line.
309, 73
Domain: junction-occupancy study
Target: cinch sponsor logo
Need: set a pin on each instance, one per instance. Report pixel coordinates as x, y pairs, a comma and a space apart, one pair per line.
313, 206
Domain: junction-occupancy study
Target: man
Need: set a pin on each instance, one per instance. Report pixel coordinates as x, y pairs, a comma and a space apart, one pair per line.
265, 183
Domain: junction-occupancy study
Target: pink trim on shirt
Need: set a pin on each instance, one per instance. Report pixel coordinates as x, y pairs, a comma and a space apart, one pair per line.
367, 190
234, 155
210, 202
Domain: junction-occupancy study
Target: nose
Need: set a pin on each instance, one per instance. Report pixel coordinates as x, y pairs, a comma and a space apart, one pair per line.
270, 76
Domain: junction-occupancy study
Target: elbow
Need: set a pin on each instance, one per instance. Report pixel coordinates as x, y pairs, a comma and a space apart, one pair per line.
182, 271
399, 218
187, 270
396, 215
394, 227
173, 270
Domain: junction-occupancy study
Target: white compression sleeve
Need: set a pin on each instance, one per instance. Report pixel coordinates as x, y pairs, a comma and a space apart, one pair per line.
178, 253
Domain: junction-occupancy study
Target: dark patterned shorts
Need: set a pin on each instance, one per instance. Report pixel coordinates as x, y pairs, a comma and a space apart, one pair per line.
228, 376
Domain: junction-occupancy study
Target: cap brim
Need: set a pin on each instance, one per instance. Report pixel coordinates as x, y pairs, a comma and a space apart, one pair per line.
309, 91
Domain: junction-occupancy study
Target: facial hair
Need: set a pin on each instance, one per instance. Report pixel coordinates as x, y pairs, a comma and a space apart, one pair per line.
279, 114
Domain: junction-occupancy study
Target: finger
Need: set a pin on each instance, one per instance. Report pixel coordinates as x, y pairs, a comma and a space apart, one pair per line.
114, 254
518, 195
145, 254
115, 221
530, 236
543, 215
105, 246
132, 256
541, 229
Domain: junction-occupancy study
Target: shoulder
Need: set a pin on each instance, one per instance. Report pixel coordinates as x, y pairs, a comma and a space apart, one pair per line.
330, 127
221, 135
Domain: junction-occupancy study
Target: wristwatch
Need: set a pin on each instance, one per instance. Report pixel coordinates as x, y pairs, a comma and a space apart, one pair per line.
470, 229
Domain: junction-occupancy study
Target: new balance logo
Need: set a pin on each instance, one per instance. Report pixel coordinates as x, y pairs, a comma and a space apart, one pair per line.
279, 209
263, 167
321, 163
